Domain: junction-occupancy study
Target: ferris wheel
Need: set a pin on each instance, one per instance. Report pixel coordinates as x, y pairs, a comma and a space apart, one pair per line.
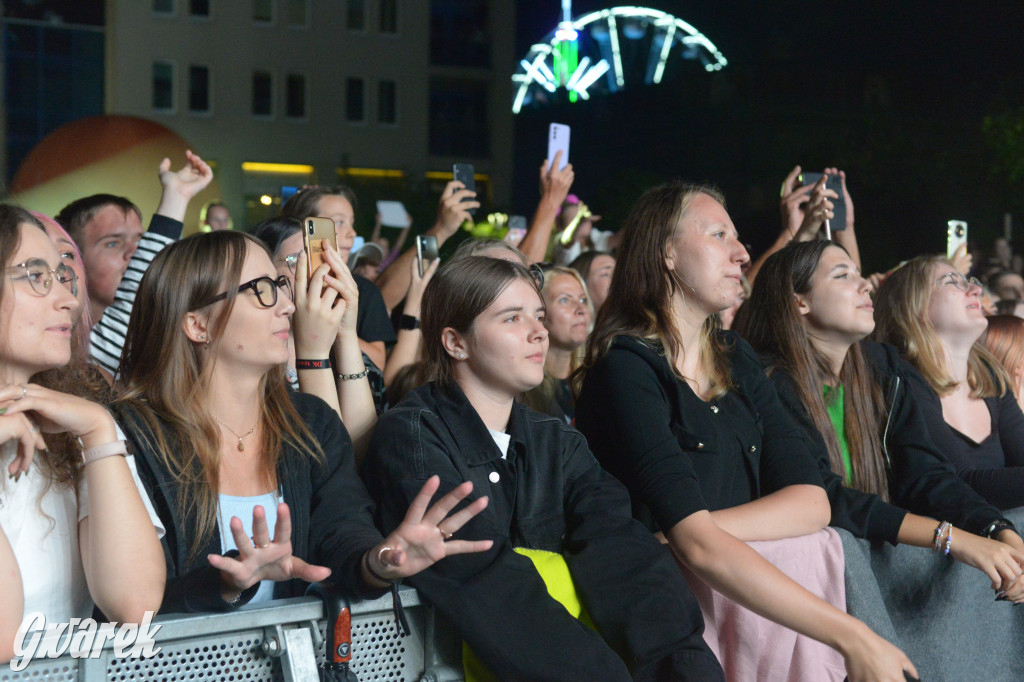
597, 53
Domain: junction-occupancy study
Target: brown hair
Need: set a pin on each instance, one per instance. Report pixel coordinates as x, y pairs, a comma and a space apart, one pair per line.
455, 297
306, 201
639, 301
1004, 338
476, 247
165, 379
901, 318
773, 326
76, 215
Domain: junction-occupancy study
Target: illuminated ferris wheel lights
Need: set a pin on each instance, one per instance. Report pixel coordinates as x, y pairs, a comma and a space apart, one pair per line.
584, 63
585, 81
536, 71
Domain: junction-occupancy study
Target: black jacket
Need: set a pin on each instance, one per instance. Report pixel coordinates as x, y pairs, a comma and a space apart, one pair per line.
678, 454
331, 513
994, 467
549, 494
920, 479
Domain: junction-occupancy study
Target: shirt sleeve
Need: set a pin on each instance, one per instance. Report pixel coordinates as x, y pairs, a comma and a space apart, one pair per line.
625, 414
106, 338
83, 493
372, 321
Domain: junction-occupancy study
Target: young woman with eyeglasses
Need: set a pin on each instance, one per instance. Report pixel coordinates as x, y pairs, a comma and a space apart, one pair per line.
810, 312
567, 319
255, 483
73, 526
933, 315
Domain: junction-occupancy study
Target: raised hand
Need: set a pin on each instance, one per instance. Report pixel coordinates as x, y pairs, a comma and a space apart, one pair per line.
555, 183
260, 558
319, 310
180, 186
341, 280
424, 536
818, 210
452, 211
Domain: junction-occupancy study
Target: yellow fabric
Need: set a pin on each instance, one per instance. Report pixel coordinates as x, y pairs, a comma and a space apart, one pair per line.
555, 573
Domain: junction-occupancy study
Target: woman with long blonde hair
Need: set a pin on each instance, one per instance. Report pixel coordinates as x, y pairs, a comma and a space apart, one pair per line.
933, 315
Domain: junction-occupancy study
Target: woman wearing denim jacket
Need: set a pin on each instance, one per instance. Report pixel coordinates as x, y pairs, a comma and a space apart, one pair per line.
485, 342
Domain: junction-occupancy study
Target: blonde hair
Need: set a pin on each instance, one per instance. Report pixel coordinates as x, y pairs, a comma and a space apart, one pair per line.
901, 318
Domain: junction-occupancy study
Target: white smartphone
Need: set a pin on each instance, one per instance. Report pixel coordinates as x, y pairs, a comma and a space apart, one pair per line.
956, 236
558, 141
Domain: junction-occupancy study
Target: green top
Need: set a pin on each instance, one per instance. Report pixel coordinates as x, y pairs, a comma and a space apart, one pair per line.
834, 404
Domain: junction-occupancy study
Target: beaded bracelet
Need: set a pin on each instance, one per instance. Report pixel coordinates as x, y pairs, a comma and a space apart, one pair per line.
939, 533
352, 377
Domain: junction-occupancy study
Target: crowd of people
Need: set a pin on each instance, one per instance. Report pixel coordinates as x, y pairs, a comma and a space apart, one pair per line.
600, 454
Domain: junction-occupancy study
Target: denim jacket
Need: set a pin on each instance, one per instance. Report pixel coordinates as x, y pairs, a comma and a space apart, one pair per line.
548, 493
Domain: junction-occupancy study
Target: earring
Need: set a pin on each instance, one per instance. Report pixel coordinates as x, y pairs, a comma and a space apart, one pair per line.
462, 356
206, 342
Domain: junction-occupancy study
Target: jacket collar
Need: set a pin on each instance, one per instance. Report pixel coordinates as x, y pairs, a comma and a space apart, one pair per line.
468, 429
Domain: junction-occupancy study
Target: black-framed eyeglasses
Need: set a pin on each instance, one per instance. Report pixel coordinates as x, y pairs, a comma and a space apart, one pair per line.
40, 275
538, 270
962, 283
265, 288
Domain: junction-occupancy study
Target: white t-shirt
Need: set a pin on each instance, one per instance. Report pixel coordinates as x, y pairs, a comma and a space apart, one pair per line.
47, 548
231, 505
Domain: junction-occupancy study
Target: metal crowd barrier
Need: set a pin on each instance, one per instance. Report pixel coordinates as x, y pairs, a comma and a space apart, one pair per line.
276, 642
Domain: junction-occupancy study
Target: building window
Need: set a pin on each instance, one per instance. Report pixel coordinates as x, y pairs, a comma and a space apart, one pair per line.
262, 94
199, 8
163, 86
199, 88
354, 96
356, 15
458, 118
298, 13
163, 6
263, 11
387, 104
467, 19
389, 16
295, 101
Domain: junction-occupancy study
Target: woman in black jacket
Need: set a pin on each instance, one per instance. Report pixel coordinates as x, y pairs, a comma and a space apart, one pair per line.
683, 414
484, 343
809, 313
933, 315
255, 486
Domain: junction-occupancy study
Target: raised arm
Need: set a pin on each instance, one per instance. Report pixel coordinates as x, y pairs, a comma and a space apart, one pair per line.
554, 188
408, 349
452, 211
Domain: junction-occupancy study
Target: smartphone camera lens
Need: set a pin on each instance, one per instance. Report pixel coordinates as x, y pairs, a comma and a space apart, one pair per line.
959, 230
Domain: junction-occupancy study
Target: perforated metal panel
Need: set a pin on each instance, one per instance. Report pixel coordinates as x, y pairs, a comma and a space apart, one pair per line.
63, 670
228, 658
379, 653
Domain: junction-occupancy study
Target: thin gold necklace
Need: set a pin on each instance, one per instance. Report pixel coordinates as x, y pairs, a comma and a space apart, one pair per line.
241, 446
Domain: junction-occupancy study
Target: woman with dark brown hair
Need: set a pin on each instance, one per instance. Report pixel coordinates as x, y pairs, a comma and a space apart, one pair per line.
683, 414
256, 484
565, 548
810, 312
933, 315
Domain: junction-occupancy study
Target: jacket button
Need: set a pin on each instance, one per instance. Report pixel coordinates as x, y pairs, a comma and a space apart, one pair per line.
714, 408
753, 449
494, 477
700, 446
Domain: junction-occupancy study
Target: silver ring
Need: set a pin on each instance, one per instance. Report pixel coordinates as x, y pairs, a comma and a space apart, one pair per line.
24, 392
259, 546
35, 429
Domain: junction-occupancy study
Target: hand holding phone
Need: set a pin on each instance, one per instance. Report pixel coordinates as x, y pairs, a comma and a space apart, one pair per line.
558, 141
315, 231
956, 236
426, 251
466, 174
834, 183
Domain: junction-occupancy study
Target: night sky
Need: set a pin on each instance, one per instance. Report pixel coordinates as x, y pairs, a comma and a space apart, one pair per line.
797, 91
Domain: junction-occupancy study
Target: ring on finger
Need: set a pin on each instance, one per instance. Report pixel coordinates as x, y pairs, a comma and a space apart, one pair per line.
24, 392
259, 546
445, 534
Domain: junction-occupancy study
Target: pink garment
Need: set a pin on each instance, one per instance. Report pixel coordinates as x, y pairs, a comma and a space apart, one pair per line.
751, 648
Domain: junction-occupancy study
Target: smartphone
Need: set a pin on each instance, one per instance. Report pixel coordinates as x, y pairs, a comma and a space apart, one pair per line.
516, 229
956, 236
315, 231
834, 183
464, 173
558, 141
426, 251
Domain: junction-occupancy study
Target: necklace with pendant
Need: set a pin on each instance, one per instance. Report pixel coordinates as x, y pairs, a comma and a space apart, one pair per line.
241, 446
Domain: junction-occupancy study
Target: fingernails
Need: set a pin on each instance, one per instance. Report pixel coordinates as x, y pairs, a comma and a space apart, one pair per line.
1000, 593
1002, 598
3, 410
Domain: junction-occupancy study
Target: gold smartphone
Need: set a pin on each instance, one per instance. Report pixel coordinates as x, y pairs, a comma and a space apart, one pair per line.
314, 231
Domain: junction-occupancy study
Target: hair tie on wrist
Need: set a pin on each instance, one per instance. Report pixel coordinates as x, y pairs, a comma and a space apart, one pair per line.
117, 447
312, 364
